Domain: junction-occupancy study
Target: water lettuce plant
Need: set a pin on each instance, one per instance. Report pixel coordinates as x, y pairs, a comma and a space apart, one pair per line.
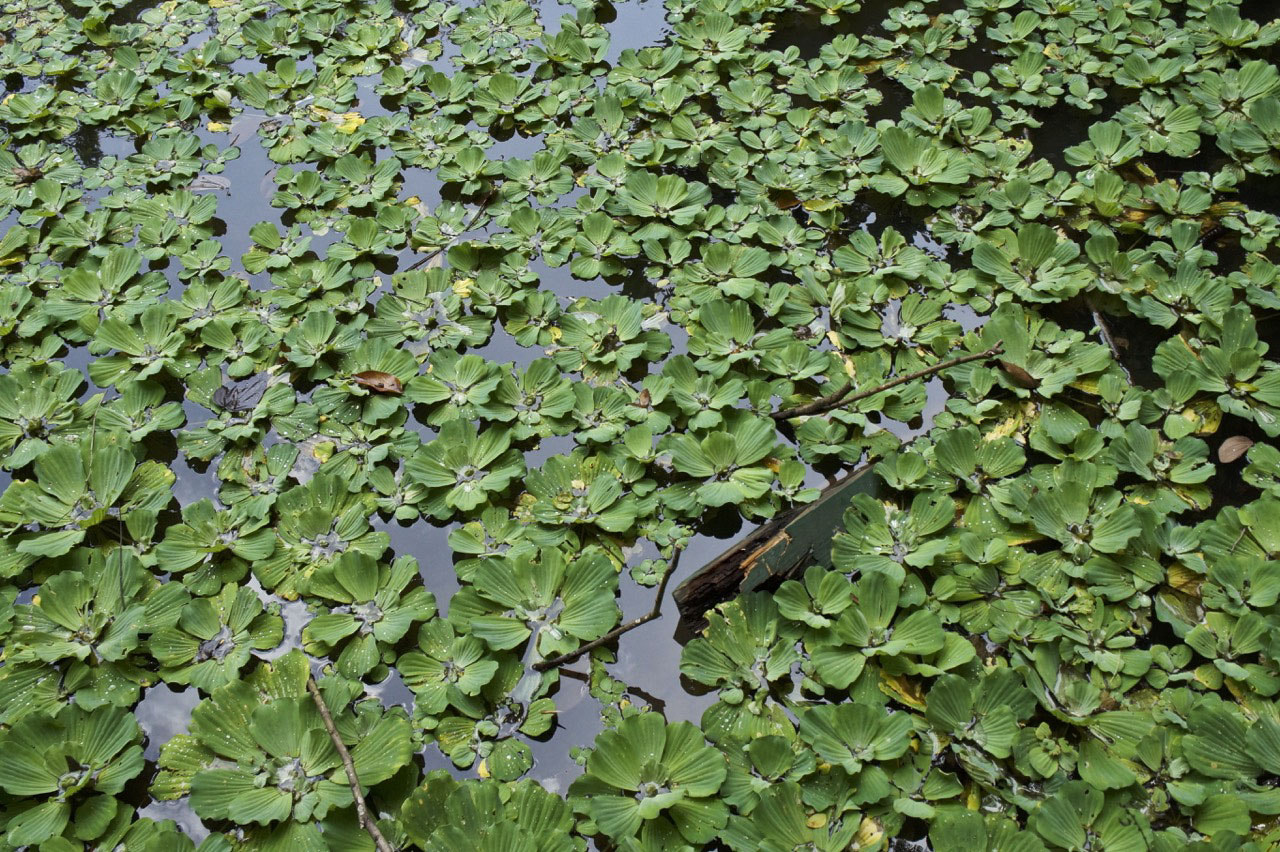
365, 368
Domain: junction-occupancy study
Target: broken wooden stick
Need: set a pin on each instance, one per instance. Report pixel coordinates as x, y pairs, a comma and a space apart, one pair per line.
565, 659
774, 552
362, 809
845, 395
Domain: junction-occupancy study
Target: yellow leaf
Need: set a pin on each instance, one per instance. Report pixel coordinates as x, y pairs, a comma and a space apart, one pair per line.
817, 821
819, 205
1191, 498
1019, 414
556, 333
1206, 414
350, 122
1184, 579
870, 832
1087, 385
482, 769
1003, 429
218, 127
462, 287
324, 451
973, 800
35, 600
1209, 676
902, 689
346, 122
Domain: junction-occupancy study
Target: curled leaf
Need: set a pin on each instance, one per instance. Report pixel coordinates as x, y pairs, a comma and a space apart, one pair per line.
377, 381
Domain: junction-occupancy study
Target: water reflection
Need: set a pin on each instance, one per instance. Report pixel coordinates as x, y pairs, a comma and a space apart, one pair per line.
164, 712
649, 656
180, 812
429, 544
578, 722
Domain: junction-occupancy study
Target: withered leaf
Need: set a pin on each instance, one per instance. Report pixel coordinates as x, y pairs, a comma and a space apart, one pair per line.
378, 381
241, 395
643, 399
1020, 376
1233, 448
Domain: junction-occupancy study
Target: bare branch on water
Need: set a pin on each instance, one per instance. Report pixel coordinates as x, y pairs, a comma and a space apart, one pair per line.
845, 395
655, 612
362, 809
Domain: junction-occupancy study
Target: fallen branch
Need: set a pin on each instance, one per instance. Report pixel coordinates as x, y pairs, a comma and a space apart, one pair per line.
475, 217
845, 395
565, 659
362, 810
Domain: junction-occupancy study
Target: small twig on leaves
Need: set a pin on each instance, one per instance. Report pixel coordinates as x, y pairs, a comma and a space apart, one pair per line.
565, 659
1104, 331
362, 810
845, 395
471, 223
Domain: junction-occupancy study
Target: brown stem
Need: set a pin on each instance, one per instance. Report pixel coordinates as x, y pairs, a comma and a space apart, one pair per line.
484, 205
1104, 331
565, 659
845, 395
362, 810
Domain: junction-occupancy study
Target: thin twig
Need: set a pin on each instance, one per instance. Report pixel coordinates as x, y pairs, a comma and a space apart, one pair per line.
362, 810
484, 205
1104, 331
1239, 538
845, 395
565, 659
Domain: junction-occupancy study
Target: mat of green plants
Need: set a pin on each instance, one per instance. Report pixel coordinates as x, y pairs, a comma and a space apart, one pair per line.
360, 360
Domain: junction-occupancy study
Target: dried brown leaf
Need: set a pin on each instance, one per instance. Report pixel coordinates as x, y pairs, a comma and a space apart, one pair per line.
1020, 376
378, 381
1233, 448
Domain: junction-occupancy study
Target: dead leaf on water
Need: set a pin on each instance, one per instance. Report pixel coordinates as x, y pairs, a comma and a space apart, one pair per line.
1233, 448
1019, 375
376, 380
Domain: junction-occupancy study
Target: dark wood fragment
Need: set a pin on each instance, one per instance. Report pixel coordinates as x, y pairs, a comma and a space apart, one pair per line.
776, 551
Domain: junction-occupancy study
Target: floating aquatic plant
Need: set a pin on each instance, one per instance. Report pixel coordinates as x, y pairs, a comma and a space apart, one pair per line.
572, 298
